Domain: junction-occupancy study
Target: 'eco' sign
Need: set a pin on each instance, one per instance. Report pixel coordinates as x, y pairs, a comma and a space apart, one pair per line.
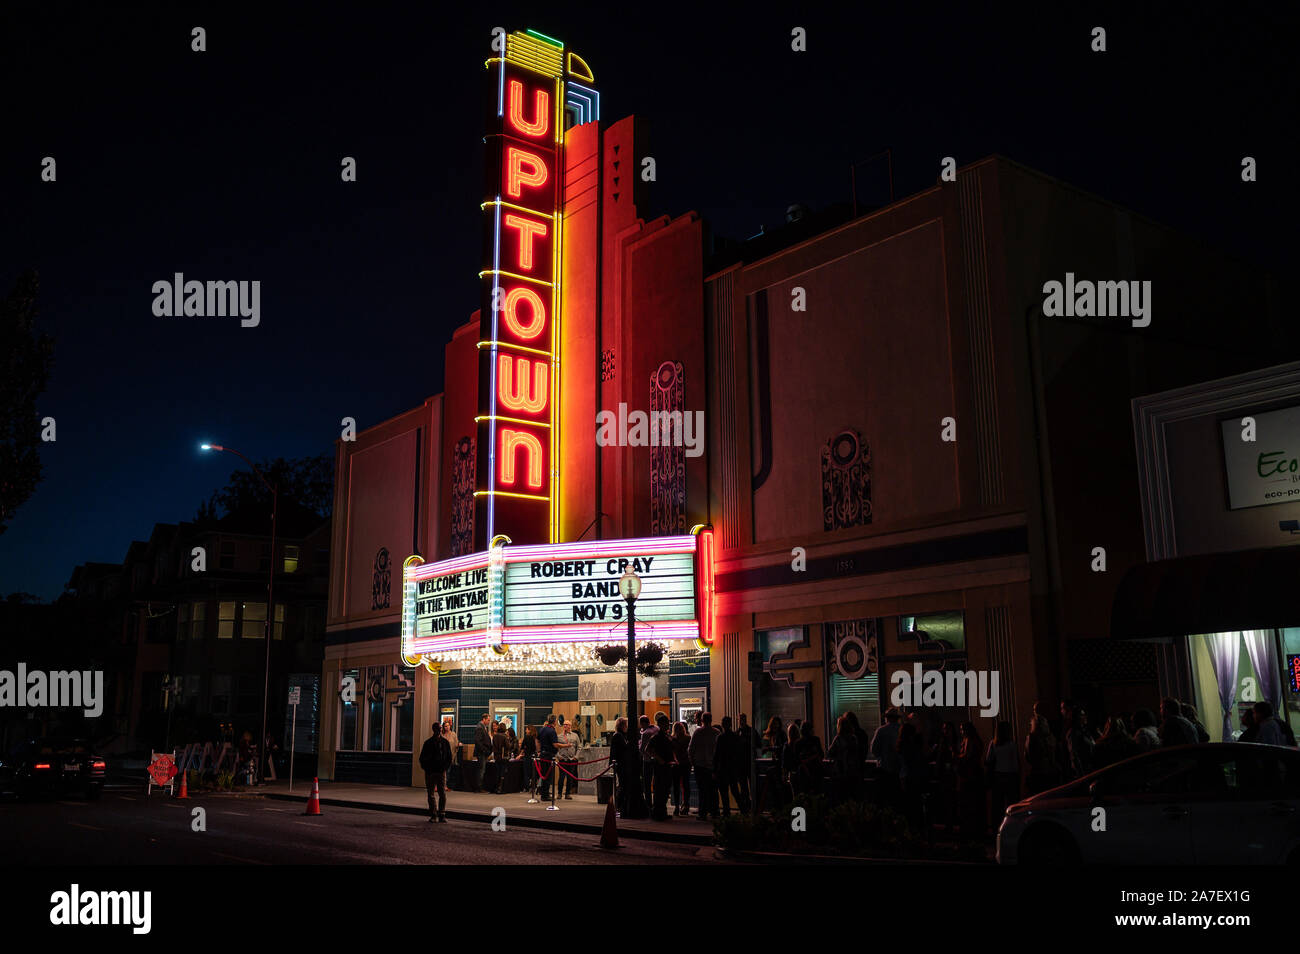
1266, 470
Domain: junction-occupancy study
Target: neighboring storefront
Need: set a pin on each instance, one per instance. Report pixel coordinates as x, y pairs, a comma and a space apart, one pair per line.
1220, 480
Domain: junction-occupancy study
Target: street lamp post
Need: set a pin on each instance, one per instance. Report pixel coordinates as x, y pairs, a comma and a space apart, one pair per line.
270, 601
629, 585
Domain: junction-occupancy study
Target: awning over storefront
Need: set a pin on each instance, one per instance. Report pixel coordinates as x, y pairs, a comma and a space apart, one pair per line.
1214, 593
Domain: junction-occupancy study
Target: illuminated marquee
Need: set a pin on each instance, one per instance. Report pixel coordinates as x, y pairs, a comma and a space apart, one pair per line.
519, 363
558, 593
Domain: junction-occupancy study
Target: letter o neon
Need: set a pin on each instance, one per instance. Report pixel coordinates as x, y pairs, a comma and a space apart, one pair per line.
537, 323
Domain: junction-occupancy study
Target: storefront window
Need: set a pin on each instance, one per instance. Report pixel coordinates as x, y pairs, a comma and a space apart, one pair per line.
777, 697
1291, 675
859, 696
349, 706
936, 641
852, 661
1232, 671
946, 629
375, 709
401, 698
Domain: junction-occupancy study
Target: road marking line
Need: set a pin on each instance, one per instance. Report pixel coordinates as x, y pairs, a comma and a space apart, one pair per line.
240, 814
80, 825
247, 861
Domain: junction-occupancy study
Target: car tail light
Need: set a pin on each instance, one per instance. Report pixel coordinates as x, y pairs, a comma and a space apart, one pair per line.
98, 764
41, 765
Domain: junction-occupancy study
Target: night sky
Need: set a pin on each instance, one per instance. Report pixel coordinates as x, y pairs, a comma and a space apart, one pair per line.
224, 165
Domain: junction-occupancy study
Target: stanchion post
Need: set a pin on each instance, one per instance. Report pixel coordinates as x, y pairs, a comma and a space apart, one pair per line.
555, 782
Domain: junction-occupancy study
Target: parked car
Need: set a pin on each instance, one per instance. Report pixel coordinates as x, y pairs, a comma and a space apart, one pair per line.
53, 767
1217, 803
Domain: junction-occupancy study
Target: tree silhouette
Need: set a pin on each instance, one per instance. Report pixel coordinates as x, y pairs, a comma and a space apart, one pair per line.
305, 481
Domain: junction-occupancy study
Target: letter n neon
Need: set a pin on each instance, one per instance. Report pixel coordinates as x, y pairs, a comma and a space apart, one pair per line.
512, 440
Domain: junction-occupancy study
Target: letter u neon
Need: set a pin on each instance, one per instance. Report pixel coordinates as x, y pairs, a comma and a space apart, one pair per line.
541, 110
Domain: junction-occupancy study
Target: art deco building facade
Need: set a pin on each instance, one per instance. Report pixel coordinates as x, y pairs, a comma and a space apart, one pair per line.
904, 461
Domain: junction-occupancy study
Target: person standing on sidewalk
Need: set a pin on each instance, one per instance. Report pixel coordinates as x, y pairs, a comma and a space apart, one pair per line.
453, 740
435, 759
527, 754
482, 749
661, 759
567, 753
647, 762
546, 745
729, 764
701, 749
681, 770
501, 754
619, 752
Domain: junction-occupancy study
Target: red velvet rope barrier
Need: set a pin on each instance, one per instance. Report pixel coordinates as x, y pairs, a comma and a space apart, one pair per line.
593, 762
542, 774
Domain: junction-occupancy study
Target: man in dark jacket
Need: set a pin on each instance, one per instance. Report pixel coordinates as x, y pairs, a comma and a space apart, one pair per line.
435, 759
731, 764
749, 748
619, 753
547, 740
501, 754
660, 746
482, 749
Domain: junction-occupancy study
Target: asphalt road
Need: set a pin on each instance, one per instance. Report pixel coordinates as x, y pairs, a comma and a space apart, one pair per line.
128, 827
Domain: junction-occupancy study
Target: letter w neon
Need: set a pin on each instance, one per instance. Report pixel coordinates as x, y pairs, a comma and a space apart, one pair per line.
514, 388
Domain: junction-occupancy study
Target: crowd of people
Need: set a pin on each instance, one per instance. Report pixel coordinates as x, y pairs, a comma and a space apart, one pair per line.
969, 783
497, 746
656, 761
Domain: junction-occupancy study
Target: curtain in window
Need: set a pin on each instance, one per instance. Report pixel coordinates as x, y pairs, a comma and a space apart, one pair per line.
1259, 645
1224, 652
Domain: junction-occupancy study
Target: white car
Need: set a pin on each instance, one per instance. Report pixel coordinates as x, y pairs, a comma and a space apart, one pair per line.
1218, 804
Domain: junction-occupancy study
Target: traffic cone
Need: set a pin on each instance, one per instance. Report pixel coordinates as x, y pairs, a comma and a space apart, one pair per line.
313, 800
185, 789
609, 832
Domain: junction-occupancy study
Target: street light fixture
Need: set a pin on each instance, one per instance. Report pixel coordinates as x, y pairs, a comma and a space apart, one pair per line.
629, 587
270, 599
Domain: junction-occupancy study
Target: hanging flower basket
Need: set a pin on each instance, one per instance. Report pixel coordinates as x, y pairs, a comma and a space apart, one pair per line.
648, 658
610, 655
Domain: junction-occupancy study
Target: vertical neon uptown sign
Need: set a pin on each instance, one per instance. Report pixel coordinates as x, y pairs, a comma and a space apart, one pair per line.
519, 356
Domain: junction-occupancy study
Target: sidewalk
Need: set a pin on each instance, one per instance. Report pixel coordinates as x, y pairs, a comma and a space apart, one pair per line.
580, 814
